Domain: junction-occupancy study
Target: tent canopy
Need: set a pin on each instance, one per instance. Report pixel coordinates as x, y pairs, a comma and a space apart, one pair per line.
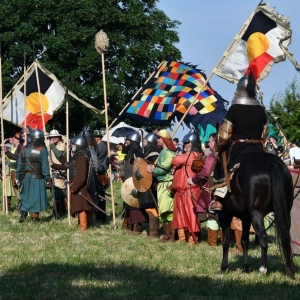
115, 140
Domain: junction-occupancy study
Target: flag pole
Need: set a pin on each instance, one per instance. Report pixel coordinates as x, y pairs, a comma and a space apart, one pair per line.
4, 196
120, 113
25, 98
40, 98
68, 152
101, 45
30, 67
212, 72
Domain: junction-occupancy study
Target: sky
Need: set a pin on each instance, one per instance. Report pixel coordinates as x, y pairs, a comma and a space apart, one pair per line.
208, 28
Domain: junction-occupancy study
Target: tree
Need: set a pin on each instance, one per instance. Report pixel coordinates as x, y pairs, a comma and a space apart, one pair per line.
61, 34
286, 109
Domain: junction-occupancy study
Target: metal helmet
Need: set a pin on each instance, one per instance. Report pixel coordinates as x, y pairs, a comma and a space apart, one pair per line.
245, 92
151, 137
86, 133
79, 140
36, 134
54, 133
242, 84
134, 136
190, 137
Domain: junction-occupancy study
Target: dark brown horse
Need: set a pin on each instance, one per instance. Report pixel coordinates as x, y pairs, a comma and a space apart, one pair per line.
261, 185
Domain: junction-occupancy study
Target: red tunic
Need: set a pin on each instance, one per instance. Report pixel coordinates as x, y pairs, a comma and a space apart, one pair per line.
185, 200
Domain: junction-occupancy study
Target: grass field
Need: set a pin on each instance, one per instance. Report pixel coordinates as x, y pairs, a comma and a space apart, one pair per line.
53, 260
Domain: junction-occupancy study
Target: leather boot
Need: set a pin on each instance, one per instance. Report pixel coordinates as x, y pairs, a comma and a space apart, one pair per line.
23, 216
166, 235
171, 232
90, 218
35, 216
153, 225
82, 218
212, 237
190, 238
129, 228
137, 229
238, 240
181, 235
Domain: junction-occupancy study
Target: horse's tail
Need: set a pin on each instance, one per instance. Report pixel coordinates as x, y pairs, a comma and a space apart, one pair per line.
282, 195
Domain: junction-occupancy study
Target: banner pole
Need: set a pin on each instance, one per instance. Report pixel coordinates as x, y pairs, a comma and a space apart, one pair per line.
4, 192
120, 113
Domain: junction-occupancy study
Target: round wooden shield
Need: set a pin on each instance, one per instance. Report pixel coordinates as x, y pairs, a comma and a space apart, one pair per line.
126, 193
142, 180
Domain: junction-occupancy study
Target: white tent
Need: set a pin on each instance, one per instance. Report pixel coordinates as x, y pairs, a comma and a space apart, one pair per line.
115, 140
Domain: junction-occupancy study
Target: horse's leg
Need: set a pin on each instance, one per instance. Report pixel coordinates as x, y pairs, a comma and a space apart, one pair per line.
259, 227
245, 243
225, 220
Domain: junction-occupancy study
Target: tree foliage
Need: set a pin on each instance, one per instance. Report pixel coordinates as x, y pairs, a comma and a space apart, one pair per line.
285, 107
61, 35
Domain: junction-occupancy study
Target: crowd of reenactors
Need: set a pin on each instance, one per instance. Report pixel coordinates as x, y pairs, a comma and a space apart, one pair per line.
161, 183
37, 163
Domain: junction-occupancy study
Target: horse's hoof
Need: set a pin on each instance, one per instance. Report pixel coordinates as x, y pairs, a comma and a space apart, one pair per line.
262, 271
222, 271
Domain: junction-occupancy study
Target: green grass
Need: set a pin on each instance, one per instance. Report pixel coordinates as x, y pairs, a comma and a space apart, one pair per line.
53, 260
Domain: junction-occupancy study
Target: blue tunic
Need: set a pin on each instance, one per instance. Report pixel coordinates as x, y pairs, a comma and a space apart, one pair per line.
33, 192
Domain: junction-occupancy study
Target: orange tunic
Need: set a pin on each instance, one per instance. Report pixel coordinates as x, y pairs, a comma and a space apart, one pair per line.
185, 199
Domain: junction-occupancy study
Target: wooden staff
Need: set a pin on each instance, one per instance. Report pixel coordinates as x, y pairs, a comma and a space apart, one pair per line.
68, 152
113, 122
101, 45
4, 195
40, 97
208, 78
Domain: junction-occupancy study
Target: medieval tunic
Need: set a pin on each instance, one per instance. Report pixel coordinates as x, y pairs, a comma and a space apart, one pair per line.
79, 184
33, 192
101, 168
201, 179
58, 156
248, 123
164, 178
186, 196
11, 175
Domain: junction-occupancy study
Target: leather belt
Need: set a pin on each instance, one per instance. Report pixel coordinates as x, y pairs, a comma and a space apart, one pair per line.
247, 141
27, 171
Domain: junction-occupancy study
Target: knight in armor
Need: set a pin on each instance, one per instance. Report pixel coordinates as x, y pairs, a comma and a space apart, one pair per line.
148, 199
57, 156
243, 130
186, 196
79, 175
162, 171
135, 216
34, 174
